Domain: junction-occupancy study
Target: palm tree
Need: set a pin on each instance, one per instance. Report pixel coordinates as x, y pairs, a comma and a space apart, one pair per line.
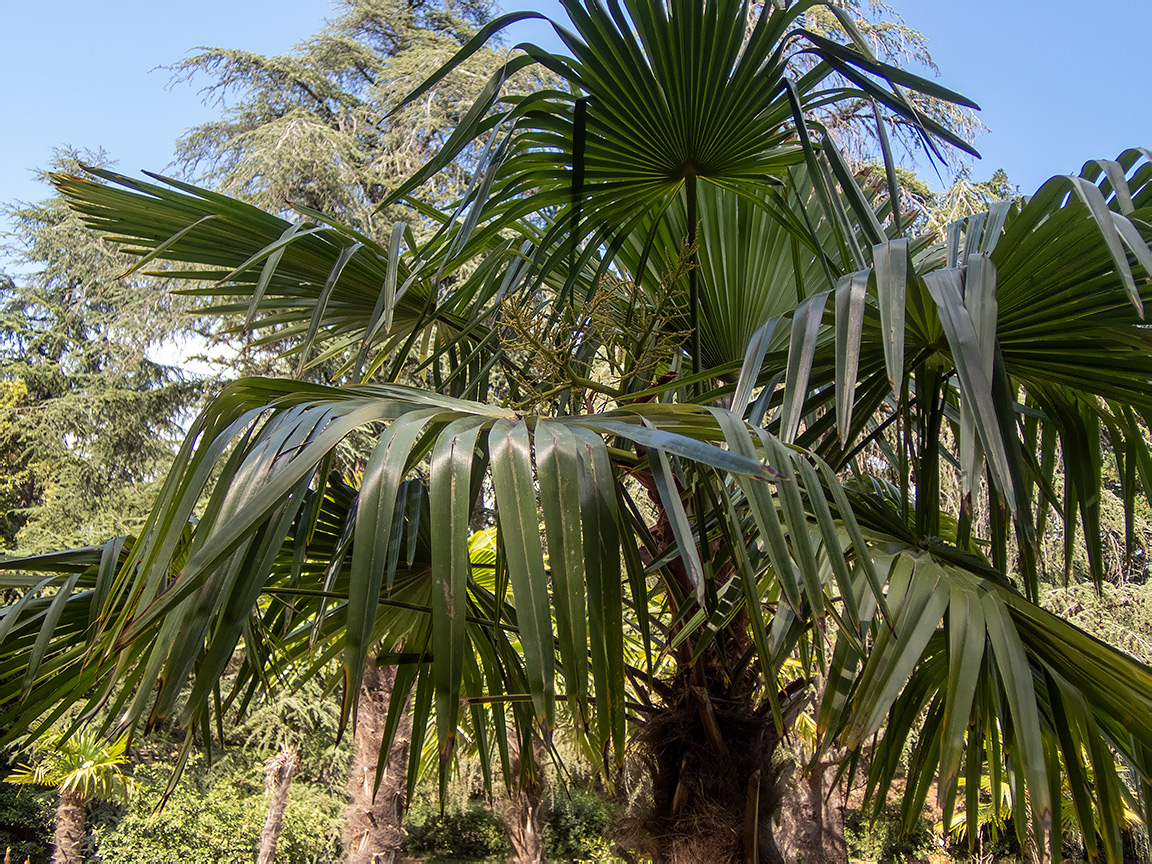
83, 767
730, 470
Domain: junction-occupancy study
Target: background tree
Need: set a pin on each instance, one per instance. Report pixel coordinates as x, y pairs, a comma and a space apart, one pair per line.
22, 487
83, 767
966, 197
91, 418
316, 127
300, 730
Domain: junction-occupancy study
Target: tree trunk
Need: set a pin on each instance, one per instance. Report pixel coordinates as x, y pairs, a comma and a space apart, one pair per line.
709, 750
372, 833
523, 810
709, 743
812, 824
70, 814
278, 773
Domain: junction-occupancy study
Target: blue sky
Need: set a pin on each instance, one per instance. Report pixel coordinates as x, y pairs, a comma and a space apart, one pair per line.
1059, 82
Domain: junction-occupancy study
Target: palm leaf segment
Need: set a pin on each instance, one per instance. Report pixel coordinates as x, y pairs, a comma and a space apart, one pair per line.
662, 94
271, 442
1020, 331
82, 763
1030, 319
990, 684
310, 284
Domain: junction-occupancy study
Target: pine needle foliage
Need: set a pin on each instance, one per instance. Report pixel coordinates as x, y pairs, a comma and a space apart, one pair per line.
316, 127
90, 418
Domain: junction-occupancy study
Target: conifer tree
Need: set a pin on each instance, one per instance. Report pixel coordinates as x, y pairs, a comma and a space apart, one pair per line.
313, 127
88, 416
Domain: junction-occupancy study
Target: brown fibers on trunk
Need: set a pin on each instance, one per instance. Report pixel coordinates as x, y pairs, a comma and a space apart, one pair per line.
708, 751
372, 833
70, 813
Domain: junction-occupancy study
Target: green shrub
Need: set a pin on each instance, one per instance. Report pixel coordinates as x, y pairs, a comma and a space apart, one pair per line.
577, 823
215, 815
26, 822
998, 844
883, 840
471, 833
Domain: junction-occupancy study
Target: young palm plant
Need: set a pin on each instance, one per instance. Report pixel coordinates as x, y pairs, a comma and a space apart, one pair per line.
83, 767
725, 469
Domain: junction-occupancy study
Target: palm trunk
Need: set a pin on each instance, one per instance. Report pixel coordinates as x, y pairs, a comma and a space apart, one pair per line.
278, 773
524, 818
372, 833
813, 819
70, 814
708, 746
710, 752
523, 811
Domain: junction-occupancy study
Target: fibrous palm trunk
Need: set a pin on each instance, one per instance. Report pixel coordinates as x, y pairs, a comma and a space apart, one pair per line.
709, 749
278, 773
708, 746
372, 833
70, 814
523, 810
